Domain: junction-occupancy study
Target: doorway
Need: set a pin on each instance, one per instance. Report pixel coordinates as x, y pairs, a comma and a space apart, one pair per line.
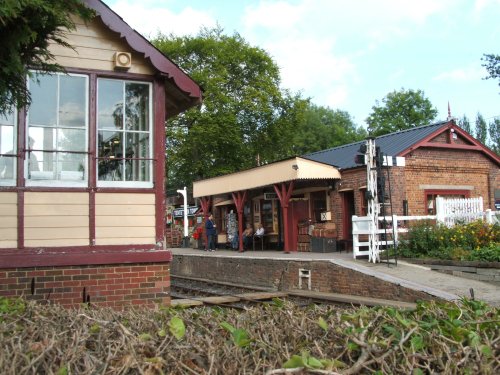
347, 212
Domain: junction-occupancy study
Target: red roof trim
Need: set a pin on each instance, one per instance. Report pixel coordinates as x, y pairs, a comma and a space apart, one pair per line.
475, 144
142, 45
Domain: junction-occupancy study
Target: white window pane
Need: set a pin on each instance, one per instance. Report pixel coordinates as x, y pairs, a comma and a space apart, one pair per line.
41, 165
110, 104
43, 109
57, 122
72, 101
7, 118
110, 146
7, 167
137, 145
71, 166
137, 170
137, 106
71, 140
42, 138
6, 139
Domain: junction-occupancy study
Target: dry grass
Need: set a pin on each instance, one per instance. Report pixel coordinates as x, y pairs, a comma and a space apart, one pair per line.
435, 338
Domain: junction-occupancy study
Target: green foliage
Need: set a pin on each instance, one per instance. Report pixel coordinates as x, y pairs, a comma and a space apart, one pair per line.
323, 324
243, 109
246, 119
400, 110
472, 241
481, 128
321, 128
494, 131
11, 306
437, 337
177, 327
492, 65
429, 331
240, 337
27, 27
304, 361
464, 123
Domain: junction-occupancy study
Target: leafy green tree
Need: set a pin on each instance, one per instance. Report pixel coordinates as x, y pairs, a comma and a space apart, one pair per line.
494, 130
323, 127
492, 65
27, 27
400, 110
245, 115
464, 123
481, 128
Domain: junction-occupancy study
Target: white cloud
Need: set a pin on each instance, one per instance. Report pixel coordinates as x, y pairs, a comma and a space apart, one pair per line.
467, 74
156, 17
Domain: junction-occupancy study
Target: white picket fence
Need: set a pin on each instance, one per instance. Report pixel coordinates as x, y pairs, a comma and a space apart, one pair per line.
469, 212
465, 210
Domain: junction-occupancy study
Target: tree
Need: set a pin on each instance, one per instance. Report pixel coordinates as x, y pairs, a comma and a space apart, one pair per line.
245, 115
27, 27
323, 128
492, 65
494, 130
481, 128
400, 110
464, 123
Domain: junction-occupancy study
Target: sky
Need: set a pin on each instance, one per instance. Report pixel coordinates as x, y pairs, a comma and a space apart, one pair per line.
349, 54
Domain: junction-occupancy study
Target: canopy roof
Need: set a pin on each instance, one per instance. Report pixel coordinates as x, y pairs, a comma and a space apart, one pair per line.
281, 171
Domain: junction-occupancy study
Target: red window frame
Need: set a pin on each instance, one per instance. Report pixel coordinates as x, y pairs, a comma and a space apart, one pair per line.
441, 193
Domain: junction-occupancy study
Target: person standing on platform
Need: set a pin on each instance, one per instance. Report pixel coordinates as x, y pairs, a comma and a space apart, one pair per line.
211, 233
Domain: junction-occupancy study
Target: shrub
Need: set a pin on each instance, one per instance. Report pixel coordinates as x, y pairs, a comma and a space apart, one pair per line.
464, 241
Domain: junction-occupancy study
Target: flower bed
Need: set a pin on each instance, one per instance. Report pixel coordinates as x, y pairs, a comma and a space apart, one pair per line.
476, 241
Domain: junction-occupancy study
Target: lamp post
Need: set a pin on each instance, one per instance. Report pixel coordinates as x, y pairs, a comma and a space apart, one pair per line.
185, 240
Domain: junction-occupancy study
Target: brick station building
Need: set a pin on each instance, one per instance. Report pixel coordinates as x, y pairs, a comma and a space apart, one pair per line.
440, 159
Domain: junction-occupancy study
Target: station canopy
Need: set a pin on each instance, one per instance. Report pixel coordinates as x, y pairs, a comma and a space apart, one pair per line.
273, 173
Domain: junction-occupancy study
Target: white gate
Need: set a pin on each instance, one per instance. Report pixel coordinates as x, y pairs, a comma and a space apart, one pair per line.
449, 211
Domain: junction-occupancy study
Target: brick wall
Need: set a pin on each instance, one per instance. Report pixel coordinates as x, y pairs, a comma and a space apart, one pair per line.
116, 285
436, 168
284, 275
445, 168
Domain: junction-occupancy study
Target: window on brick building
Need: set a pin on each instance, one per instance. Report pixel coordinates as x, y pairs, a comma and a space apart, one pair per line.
319, 204
431, 195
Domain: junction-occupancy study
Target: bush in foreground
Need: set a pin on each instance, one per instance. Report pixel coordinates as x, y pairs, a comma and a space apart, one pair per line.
278, 338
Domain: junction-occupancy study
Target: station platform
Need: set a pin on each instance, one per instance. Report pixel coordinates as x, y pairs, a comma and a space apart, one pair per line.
407, 275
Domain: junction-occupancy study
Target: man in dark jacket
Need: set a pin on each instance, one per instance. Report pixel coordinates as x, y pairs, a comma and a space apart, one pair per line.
211, 233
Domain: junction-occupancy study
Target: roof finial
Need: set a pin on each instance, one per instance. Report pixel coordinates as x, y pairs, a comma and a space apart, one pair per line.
449, 112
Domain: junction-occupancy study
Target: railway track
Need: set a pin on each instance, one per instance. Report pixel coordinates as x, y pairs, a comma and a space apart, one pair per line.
188, 291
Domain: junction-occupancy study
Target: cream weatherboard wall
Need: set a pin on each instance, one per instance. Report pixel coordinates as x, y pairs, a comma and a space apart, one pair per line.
125, 219
56, 219
8, 220
94, 48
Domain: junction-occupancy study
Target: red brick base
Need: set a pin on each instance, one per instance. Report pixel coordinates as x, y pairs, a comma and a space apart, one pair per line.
116, 285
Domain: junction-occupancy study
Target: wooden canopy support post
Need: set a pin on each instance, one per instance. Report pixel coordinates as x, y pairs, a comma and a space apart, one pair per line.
284, 193
239, 199
205, 203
